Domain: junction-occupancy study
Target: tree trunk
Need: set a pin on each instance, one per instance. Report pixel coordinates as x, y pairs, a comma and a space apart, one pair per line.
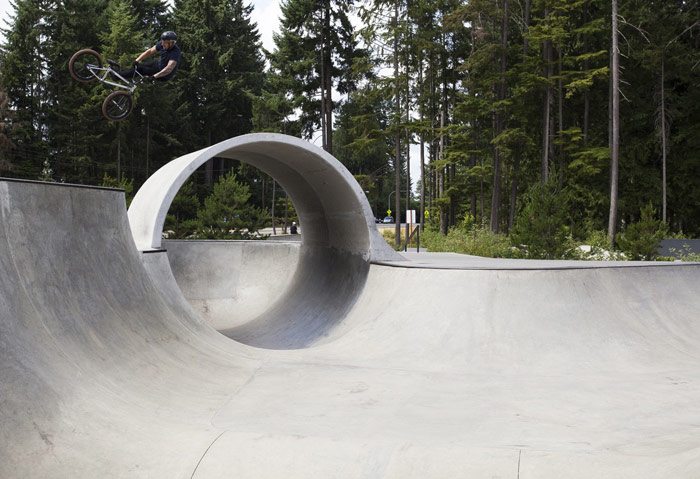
496, 186
421, 218
119, 151
560, 106
422, 183
586, 96
615, 140
546, 120
586, 116
209, 165
441, 174
453, 167
148, 145
513, 202
498, 126
408, 136
663, 136
397, 155
514, 190
274, 198
327, 80
474, 198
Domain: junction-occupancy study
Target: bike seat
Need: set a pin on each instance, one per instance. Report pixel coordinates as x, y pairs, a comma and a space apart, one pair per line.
113, 64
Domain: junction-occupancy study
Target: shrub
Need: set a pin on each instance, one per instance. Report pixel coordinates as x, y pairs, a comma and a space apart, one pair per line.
390, 237
640, 240
596, 247
540, 228
469, 238
226, 213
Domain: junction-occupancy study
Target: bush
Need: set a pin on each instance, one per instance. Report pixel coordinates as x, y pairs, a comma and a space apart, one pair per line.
469, 238
540, 228
390, 236
596, 247
640, 240
124, 184
226, 213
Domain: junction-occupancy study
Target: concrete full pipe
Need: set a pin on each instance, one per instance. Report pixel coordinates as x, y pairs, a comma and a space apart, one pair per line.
340, 238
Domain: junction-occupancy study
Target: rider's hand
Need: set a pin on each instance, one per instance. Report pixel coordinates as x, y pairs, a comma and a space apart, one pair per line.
136, 63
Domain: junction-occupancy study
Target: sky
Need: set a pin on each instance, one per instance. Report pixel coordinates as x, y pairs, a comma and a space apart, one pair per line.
265, 13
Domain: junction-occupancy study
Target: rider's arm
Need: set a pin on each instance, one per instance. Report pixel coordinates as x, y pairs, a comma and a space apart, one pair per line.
146, 54
166, 71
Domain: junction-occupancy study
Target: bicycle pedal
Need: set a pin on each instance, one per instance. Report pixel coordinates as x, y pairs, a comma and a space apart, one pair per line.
113, 64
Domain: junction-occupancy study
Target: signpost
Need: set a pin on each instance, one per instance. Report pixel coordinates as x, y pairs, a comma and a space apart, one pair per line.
410, 220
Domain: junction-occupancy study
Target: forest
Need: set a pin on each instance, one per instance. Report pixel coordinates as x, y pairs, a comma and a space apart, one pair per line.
537, 124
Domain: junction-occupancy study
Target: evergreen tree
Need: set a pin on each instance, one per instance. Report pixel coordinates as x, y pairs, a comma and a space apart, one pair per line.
222, 67
5, 142
315, 51
74, 123
226, 212
22, 68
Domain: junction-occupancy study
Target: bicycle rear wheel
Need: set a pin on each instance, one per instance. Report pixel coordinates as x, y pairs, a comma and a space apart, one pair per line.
79, 63
117, 105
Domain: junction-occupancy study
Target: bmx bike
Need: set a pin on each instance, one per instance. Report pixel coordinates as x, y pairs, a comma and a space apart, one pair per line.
86, 66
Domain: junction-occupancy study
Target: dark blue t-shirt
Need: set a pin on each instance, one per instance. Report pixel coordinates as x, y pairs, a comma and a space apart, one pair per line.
166, 56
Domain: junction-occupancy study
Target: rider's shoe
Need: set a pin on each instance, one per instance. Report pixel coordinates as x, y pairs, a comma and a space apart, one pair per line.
115, 69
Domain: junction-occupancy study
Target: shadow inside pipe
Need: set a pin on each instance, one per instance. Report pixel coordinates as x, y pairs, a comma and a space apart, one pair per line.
325, 286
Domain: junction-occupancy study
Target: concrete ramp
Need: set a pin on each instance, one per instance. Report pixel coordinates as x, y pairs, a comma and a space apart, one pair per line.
484, 370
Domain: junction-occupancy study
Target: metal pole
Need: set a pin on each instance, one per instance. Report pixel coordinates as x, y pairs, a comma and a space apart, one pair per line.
274, 193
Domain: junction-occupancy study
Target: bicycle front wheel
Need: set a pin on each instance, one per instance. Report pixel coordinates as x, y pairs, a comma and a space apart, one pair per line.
80, 65
117, 105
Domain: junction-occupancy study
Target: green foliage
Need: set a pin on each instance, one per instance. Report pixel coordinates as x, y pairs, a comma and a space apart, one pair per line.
541, 225
46, 172
687, 256
476, 105
122, 41
181, 220
314, 51
221, 71
5, 142
640, 240
596, 247
469, 238
389, 236
226, 213
123, 184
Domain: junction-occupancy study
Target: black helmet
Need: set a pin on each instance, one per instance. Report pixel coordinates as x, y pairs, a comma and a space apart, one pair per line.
168, 36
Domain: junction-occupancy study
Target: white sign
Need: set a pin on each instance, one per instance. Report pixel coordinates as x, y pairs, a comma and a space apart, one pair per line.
410, 216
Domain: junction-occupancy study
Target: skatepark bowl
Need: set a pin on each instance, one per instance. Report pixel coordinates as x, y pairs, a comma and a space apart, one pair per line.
124, 356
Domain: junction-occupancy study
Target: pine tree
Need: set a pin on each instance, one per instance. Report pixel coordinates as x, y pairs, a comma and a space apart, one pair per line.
5, 142
22, 68
314, 53
222, 69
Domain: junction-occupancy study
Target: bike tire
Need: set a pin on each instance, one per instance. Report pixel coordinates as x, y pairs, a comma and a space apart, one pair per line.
77, 65
117, 106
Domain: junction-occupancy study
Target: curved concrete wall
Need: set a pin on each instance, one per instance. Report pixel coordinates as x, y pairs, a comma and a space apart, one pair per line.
339, 240
229, 283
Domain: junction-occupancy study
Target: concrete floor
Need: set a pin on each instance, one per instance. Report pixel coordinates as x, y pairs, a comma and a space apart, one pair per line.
437, 367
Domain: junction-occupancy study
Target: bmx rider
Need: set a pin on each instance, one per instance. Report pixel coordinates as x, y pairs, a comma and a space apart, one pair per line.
169, 60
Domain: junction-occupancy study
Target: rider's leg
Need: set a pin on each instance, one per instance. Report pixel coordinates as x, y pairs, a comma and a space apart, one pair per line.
145, 70
127, 73
148, 70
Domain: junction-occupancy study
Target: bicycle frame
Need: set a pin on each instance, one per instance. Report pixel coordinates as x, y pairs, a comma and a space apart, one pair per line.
102, 75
